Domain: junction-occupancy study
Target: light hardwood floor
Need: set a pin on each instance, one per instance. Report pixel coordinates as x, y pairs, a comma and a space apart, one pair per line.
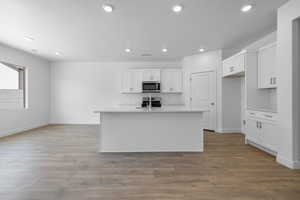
61, 163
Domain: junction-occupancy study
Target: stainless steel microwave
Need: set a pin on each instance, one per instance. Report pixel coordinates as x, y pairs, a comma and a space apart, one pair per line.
151, 87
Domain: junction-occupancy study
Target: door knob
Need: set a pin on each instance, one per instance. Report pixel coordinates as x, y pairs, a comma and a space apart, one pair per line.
212, 103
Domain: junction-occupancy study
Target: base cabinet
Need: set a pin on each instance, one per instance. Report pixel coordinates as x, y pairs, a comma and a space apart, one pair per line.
262, 131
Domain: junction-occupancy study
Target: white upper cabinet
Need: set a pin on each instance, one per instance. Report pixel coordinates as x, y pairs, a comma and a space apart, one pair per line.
132, 81
235, 65
171, 81
151, 75
267, 67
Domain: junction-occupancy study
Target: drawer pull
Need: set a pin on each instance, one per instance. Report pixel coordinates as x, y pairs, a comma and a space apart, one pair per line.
269, 116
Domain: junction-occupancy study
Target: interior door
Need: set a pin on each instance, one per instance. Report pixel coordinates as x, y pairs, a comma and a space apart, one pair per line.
203, 95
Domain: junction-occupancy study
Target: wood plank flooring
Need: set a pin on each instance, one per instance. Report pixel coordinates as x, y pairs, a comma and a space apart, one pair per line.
61, 163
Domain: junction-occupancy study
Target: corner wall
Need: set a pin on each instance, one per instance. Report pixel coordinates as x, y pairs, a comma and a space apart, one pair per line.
288, 87
228, 100
80, 88
38, 92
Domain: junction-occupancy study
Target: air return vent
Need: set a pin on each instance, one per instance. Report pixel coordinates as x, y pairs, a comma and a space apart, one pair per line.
146, 54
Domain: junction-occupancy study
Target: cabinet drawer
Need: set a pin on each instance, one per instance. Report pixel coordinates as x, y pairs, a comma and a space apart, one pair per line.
267, 116
262, 115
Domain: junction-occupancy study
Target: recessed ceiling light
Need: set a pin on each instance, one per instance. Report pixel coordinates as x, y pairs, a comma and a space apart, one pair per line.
108, 8
201, 50
29, 39
246, 8
57, 53
177, 8
127, 50
164, 50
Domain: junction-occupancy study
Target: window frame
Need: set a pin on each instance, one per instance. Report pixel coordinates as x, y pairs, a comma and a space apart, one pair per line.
21, 82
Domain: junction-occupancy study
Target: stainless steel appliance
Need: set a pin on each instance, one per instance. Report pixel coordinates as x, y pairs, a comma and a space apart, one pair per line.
154, 102
151, 87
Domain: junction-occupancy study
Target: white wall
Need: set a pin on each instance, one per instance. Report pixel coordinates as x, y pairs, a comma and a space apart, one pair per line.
269, 95
208, 61
38, 91
288, 87
228, 119
79, 88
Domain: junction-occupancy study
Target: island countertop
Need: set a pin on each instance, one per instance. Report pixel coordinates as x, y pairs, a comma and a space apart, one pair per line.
168, 109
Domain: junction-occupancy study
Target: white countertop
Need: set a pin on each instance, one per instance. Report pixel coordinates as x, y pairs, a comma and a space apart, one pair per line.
168, 109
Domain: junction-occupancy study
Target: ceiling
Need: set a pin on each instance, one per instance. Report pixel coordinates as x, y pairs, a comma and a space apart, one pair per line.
81, 31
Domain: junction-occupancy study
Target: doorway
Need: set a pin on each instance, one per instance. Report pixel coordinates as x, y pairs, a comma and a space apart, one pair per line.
203, 96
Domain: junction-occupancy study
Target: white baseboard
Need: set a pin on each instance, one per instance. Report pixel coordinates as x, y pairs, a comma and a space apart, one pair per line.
75, 124
20, 129
228, 130
269, 151
288, 163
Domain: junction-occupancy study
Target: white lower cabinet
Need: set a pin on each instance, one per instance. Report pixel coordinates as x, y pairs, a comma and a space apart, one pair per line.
253, 131
261, 129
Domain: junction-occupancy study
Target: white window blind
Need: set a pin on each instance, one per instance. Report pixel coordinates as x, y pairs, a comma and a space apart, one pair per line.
12, 86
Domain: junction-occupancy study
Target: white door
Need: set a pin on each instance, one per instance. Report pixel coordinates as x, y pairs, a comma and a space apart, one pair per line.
203, 95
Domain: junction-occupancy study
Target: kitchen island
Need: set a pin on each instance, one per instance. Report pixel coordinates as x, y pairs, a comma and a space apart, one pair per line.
173, 129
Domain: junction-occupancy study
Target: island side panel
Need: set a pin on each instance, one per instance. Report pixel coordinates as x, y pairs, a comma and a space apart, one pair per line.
151, 132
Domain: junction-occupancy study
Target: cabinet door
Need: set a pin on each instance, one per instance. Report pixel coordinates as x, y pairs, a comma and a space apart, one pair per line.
132, 81
151, 75
239, 63
234, 65
267, 67
269, 135
171, 81
226, 67
253, 131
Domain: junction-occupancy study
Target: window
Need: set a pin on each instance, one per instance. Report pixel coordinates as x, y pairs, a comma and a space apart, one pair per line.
12, 86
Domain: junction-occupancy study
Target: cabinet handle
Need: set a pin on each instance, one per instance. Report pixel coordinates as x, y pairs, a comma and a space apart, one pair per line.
259, 125
269, 116
256, 124
274, 80
271, 81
